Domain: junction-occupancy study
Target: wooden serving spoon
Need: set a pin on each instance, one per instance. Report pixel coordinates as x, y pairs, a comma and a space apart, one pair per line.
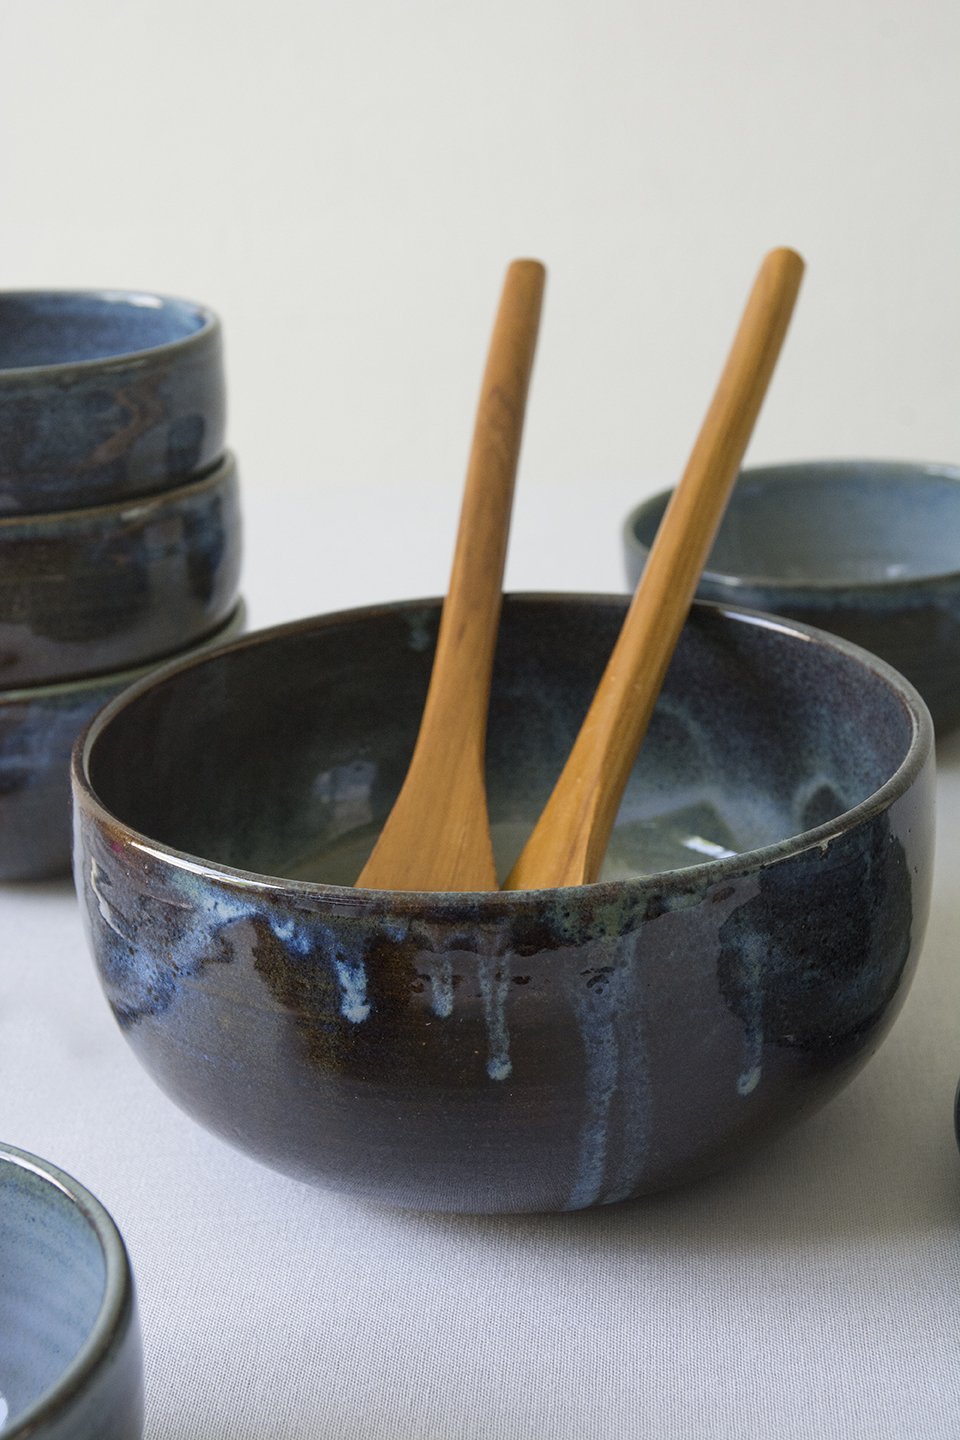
437, 836
570, 838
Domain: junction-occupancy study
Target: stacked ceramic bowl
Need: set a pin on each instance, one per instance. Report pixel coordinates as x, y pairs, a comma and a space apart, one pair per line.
120, 529
867, 549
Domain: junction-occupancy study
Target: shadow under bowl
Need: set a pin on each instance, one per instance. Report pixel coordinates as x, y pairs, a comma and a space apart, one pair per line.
70, 1356
88, 592
764, 900
867, 549
105, 394
38, 728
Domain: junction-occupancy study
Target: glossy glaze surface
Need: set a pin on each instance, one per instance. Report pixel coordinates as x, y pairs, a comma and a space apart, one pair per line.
866, 549
105, 395
38, 728
766, 900
70, 1361
92, 591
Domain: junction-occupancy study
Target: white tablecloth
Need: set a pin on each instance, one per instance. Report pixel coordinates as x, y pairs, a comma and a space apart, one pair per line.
345, 183
813, 1292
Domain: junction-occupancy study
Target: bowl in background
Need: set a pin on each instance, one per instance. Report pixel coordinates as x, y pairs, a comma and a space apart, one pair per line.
38, 727
747, 948
91, 591
105, 394
868, 549
70, 1357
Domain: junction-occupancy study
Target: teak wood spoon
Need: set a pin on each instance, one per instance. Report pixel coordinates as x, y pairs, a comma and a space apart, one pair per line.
437, 836
570, 838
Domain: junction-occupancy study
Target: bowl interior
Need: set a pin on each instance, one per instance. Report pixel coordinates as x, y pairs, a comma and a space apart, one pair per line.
53, 1278
68, 327
841, 523
282, 754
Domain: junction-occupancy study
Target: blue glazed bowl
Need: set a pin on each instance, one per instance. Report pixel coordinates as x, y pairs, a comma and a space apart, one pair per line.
70, 1358
105, 394
38, 727
747, 948
868, 549
88, 592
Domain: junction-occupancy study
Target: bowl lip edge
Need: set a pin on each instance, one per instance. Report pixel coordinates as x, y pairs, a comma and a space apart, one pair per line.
210, 329
117, 1308
223, 473
786, 472
349, 899
115, 680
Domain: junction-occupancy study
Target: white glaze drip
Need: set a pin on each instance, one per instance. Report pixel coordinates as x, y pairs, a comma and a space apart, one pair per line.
494, 987
352, 979
441, 988
601, 1080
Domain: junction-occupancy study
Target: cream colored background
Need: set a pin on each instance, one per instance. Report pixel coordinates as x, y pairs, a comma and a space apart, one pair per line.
345, 183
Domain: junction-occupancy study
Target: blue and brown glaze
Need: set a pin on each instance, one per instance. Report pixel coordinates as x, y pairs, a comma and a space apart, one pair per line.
39, 726
866, 549
88, 592
542, 1050
105, 395
70, 1358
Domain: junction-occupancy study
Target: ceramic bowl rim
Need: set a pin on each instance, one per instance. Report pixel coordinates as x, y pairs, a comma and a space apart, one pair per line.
480, 905
222, 472
128, 676
786, 473
210, 325
118, 1293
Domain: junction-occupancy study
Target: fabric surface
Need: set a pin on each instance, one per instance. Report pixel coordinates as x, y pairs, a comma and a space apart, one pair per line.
812, 1292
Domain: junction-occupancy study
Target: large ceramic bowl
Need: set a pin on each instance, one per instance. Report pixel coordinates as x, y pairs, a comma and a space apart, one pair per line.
70, 1362
105, 394
868, 549
86, 592
38, 727
762, 908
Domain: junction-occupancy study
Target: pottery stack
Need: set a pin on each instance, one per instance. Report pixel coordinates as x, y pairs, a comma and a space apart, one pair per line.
120, 530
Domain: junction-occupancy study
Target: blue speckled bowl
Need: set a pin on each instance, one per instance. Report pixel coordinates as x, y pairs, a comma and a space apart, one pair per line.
70, 1361
38, 727
763, 906
868, 549
86, 592
105, 394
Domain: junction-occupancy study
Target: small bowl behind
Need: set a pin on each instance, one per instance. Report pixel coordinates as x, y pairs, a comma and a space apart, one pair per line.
105, 394
88, 592
868, 549
38, 727
70, 1356
747, 948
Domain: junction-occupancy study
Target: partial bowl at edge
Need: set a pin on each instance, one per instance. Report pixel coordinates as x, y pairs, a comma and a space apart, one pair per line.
70, 1355
868, 549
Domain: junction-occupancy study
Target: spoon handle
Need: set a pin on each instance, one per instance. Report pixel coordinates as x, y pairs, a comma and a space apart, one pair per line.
460, 682
437, 836
570, 839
